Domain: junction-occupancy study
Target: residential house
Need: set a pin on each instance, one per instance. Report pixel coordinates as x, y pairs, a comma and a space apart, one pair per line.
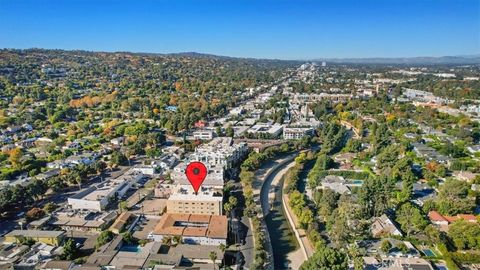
383, 226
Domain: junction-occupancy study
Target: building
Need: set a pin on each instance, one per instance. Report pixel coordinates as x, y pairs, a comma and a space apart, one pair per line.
82, 220
58, 265
38, 255
214, 178
221, 151
193, 229
296, 133
97, 197
54, 238
183, 200
121, 222
429, 153
383, 226
442, 222
203, 135
273, 130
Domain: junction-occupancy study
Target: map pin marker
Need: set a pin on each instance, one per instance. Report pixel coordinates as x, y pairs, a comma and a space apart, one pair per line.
196, 173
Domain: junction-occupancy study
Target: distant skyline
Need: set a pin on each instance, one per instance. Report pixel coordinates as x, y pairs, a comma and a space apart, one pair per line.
302, 29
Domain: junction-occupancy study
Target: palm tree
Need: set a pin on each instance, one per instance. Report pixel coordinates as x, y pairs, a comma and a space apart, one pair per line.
222, 247
213, 257
167, 240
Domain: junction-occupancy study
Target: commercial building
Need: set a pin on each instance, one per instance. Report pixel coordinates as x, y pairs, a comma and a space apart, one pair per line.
193, 229
54, 238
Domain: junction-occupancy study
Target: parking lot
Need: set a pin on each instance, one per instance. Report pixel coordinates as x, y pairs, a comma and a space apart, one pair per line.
144, 227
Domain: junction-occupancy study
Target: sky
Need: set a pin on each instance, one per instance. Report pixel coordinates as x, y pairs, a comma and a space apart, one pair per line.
281, 29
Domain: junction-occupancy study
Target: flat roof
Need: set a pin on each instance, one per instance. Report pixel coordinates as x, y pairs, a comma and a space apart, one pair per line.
34, 233
212, 226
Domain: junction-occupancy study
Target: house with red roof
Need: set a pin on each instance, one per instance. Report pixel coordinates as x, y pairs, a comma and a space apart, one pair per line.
443, 221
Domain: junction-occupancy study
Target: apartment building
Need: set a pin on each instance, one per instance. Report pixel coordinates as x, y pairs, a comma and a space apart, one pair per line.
221, 151
193, 229
295, 133
183, 200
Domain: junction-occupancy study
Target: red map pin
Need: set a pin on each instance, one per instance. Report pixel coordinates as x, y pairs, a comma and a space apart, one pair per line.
196, 173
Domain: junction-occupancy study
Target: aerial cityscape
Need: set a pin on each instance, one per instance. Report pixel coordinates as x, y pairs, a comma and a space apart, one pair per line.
240, 135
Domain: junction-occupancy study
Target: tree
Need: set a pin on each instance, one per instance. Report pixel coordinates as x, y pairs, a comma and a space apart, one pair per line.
218, 131
15, 157
50, 207
410, 218
230, 132
35, 213
375, 196
128, 238
386, 246
213, 257
453, 198
233, 201
465, 235
69, 250
402, 247
118, 159
326, 259
353, 146
103, 238
122, 206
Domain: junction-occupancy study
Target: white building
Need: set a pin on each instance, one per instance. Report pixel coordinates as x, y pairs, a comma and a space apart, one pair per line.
97, 197
221, 151
266, 128
295, 133
203, 134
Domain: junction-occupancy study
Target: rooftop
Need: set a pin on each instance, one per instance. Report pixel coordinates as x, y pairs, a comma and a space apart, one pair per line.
34, 233
212, 226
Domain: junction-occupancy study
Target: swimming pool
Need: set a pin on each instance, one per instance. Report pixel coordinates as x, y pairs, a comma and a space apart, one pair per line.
356, 183
428, 253
128, 248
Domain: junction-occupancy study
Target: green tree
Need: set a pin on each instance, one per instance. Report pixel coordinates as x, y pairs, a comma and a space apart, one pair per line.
386, 246
229, 132
465, 235
213, 257
69, 250
410, 218
326, 259
118, 159
122, 206
50, 207
453, 198
103, 238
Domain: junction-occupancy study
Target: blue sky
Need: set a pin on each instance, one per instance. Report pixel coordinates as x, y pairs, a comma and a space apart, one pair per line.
263, 29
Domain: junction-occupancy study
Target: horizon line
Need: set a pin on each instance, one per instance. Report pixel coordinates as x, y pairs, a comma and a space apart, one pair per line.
473, 55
